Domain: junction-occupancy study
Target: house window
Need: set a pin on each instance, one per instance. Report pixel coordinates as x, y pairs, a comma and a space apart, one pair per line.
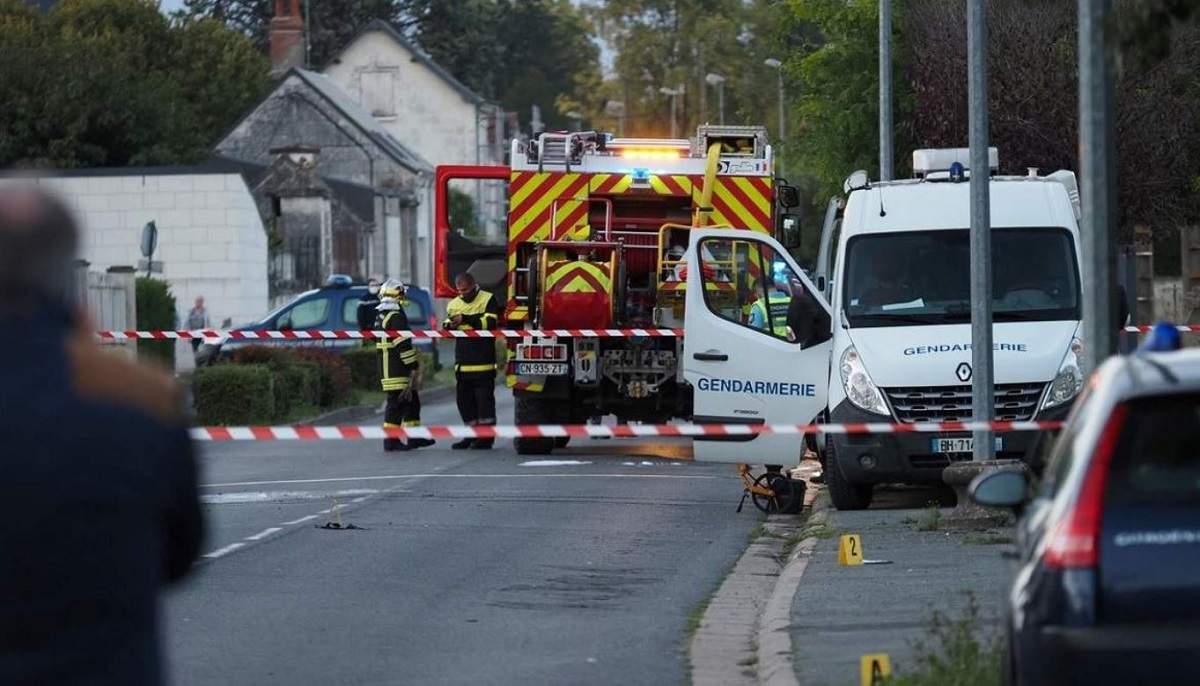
378, 93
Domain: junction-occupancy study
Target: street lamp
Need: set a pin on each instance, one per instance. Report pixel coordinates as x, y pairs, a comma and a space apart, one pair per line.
616, 108
718, 81
674, 93
778, 67
576, 119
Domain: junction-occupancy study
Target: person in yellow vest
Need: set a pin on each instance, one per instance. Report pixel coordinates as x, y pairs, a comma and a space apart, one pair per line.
777, 302
474, 358
399, 369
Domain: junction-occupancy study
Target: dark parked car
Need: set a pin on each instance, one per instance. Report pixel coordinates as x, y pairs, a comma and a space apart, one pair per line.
1108, 587
332, 307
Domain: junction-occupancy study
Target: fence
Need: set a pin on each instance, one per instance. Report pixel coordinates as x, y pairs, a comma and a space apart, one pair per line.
110, 298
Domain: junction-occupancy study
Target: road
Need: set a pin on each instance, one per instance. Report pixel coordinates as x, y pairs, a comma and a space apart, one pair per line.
468, 567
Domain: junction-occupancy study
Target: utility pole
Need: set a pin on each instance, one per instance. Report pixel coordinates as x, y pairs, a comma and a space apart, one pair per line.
674, 93
718, 81
778, 67
1096, 167
982, 393
886, 170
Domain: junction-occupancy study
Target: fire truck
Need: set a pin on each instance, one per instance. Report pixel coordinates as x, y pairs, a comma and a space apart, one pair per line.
597, 228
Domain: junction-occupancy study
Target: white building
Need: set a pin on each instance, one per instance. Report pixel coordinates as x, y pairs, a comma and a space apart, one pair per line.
211, 240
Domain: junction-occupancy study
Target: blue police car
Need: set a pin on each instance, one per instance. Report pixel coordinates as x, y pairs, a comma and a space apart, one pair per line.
332, 307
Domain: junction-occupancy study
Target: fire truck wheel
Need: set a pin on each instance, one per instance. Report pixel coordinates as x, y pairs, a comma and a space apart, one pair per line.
534, 410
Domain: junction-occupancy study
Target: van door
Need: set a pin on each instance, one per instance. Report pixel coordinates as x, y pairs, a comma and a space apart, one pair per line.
757, 344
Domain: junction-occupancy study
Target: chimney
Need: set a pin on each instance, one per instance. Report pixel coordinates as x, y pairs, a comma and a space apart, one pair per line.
287, 37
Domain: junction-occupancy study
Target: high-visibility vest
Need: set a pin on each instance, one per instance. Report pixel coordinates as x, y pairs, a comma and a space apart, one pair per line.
779, 306
397, 356
481, 312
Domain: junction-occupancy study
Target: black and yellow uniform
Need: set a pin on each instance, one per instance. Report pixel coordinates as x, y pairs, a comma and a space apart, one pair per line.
475, 361
397, 365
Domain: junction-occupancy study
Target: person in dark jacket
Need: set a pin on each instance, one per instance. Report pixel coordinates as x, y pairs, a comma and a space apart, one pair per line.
399, 369
367, 306
99, 477
474, 358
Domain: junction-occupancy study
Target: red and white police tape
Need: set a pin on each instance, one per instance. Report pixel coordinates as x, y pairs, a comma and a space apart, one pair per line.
347, 334
356, 433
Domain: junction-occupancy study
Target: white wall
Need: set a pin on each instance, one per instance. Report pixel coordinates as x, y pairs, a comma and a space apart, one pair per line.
210, 237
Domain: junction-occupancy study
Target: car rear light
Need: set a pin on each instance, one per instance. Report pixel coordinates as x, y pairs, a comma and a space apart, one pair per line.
533, 352
550, 352
1075, 541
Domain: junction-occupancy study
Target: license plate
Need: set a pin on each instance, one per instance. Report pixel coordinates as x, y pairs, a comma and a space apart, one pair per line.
541, 368
960, 445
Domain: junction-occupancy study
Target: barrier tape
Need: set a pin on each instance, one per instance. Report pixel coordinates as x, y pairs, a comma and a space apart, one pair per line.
345, 334
355, 433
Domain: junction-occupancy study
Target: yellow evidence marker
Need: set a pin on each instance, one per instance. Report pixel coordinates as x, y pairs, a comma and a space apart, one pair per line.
874, 669
850, 550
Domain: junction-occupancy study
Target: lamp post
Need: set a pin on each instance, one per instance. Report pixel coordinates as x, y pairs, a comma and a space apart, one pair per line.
616, 108
886, 166
778, 67
674, 93
576, 120
718, 81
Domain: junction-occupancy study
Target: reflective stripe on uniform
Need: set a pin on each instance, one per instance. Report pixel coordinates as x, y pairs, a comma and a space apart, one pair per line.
475, 367
396, 383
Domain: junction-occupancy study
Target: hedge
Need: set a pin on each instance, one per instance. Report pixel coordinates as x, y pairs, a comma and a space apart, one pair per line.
364, 367
228, 394
155, 311
336, 388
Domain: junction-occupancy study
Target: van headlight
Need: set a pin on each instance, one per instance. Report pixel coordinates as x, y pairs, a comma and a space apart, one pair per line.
1069, 380
859, 388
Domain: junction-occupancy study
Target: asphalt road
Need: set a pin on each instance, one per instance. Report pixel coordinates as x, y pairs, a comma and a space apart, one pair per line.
469, 567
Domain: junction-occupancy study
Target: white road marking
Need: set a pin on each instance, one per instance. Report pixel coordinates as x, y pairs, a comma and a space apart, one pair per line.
269, 496
308, 518
551, 463
359, 500
465, 476
264, 533
220, 552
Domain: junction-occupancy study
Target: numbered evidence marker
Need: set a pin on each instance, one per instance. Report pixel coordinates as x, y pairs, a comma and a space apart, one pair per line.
874, 669
850, 550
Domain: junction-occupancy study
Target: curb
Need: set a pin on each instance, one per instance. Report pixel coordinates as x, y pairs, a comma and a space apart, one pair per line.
775, 662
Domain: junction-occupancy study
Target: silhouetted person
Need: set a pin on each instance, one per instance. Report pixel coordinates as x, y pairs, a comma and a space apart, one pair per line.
99, 485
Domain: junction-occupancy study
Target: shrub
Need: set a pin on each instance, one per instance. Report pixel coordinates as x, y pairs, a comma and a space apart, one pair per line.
155, 310
234, 394
334, 374
364, 367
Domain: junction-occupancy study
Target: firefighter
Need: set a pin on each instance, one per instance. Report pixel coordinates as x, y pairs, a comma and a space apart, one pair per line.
368, 309
399, 369
474, 358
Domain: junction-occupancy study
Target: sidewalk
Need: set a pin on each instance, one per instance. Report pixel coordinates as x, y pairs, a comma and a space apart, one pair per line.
841, 613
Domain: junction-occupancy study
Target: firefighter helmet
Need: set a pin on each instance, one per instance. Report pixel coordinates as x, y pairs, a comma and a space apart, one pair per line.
390, 295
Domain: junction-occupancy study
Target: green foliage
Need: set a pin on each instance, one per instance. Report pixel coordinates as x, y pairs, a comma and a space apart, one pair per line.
230, 394
364, 367
336, 388
955, 651
462, 213
155, 311
115, 83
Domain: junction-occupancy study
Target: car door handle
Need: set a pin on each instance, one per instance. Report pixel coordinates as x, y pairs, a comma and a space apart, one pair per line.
711, 356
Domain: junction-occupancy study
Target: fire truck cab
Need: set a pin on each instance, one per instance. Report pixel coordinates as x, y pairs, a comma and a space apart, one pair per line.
597, 236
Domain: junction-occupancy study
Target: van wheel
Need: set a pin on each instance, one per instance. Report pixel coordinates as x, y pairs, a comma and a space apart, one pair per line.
531, 409
845, 495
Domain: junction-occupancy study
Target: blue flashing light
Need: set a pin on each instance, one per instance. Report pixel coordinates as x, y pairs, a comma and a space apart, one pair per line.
1164, 337
957, 172
641, 174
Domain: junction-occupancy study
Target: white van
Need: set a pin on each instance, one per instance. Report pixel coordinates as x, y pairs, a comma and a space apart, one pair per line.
895, 283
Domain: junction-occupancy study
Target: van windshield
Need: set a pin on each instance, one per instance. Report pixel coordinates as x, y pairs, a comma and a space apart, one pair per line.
923, 277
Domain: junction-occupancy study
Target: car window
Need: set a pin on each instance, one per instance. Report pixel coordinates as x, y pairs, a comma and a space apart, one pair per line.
746, 283
1062, 450
306, 315
350, 311
1157, 457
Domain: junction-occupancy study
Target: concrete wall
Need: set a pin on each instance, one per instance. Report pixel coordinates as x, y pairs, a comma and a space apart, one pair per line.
210, 238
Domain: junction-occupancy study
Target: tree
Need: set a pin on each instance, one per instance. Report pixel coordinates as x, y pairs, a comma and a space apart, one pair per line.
114, 83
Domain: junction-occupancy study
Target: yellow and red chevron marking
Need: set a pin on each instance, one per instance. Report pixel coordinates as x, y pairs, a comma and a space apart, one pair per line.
740, 201
577, 277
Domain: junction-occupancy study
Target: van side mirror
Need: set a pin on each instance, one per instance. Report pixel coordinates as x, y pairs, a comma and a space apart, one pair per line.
789, 233
789, 196
1004, 487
